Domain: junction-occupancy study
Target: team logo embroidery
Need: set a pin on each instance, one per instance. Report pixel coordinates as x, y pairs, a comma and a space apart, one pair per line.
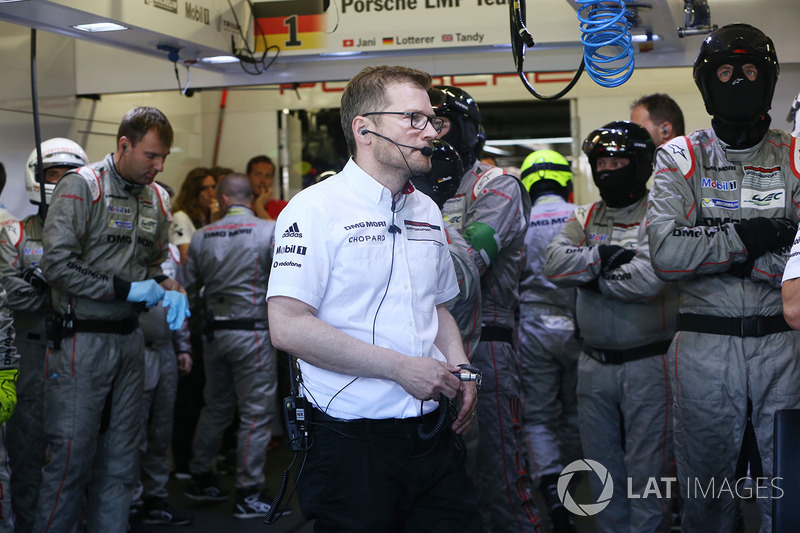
292, 231
677, 150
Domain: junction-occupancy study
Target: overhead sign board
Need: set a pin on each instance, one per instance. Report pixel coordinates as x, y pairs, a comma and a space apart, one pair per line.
340, 26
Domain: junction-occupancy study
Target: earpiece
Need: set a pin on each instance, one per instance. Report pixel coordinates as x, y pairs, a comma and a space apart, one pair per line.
664, 130
363, 131
124, 147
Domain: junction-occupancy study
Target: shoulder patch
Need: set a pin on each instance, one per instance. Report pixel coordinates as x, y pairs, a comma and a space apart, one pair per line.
484, 179
14, 233
583, 213
163, 200
680, 149
92, 180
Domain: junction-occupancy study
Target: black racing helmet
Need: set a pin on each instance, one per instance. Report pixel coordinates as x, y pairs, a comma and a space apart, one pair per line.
621, 139
736, 42
465, 133
442, 182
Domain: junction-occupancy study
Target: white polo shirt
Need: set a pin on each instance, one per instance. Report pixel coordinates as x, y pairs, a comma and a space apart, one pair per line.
792, 269
334, 251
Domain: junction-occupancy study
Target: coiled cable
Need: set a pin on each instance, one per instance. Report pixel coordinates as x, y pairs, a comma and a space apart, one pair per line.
605, 29
605, 24
444, 406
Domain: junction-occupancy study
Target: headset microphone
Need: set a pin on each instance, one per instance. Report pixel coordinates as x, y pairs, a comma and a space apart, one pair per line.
427, 151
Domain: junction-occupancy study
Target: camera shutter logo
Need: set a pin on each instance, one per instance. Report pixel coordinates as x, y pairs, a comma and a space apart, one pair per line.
585, 465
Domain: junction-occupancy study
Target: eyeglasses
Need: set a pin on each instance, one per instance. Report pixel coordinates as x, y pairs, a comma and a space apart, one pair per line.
419, 121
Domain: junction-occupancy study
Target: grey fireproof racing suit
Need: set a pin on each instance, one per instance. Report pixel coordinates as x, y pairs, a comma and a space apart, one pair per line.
101, 233
21, 247
632, 310
491, 210
231, 259
548, 347
701, 189
161, 345
9, 360
466, 307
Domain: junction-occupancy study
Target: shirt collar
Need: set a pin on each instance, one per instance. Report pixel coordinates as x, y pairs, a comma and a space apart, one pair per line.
239, 209
129, 186
355, 177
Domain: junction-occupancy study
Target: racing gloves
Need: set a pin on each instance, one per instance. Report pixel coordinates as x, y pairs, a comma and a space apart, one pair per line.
177, 308
150, 292
8, 393
484, 240
35, 278
147, 291
613, 256
761, 235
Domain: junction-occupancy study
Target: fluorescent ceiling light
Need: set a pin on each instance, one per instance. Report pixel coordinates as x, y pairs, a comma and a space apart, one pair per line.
341, 54
216, 60
525, 142
9, 1
100, 26
643, 37
493, 150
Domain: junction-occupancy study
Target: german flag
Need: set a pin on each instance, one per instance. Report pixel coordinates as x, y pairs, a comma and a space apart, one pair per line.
289, 24
388, 40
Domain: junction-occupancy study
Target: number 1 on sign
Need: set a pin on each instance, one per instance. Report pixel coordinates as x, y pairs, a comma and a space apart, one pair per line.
291, 23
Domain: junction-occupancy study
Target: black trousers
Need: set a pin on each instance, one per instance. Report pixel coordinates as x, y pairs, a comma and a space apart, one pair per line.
381, 476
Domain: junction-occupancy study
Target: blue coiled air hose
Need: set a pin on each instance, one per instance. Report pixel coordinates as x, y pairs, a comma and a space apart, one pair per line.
605, 30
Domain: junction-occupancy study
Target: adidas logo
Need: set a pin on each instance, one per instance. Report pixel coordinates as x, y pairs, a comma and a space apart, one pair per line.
292, 231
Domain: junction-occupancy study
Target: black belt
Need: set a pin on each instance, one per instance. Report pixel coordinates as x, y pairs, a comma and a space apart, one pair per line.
119, 327
248, 324
366, 425
617, 357
746, 326
497, 333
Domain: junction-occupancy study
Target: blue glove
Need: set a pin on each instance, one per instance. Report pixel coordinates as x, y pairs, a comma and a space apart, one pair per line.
147, 291
178, 308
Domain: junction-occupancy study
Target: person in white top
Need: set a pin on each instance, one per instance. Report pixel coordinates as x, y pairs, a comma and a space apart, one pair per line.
360, 278
195, 206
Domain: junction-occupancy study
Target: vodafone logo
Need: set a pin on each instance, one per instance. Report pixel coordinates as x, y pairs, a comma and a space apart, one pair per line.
586, 509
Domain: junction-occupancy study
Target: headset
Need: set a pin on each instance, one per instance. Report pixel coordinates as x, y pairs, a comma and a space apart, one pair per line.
424, 150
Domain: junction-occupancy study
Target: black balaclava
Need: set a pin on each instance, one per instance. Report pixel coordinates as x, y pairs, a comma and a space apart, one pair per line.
621, 187
738, 120
454, 138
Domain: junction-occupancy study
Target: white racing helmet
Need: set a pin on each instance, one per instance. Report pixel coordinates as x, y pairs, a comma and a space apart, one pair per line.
56, 152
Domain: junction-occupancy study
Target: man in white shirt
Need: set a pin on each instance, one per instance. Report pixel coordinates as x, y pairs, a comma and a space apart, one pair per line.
359, 283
